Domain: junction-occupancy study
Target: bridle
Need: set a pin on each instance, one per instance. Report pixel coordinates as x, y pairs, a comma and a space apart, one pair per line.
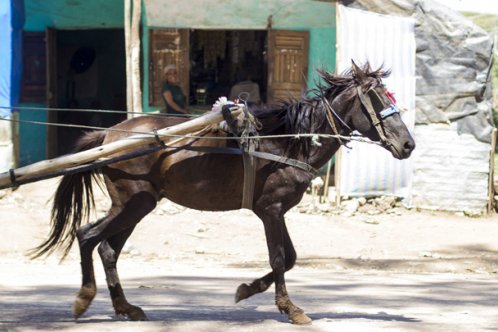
386, 112
376, 117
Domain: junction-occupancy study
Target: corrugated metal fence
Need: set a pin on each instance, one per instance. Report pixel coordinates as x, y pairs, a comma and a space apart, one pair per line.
387, 41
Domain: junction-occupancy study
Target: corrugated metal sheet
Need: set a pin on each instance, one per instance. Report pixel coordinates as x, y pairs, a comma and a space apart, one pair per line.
388, 41
451, 170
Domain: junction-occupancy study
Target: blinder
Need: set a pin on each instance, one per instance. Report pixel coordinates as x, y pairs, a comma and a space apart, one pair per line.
387, 109
370, 98
390, 110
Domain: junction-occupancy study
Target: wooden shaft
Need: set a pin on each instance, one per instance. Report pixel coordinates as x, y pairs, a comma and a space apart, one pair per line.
130, 143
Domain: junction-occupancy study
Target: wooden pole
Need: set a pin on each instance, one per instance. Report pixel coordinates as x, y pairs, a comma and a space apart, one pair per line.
337, 176
129, 94
45, 167
135, 56
325, 195
491, 184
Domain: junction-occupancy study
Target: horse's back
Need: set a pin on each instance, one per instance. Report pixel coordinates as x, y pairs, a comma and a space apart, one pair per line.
203, 179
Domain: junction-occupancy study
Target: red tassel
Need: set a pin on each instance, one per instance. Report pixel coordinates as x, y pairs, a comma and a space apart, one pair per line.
390, 95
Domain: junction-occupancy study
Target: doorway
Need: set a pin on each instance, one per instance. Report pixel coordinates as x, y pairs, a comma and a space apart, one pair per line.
87, 71
221, 58
210, 62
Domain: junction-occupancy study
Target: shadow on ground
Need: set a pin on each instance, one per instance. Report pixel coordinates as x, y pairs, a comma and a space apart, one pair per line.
177, 298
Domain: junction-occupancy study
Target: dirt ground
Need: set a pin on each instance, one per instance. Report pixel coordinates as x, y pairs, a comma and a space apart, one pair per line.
400, 270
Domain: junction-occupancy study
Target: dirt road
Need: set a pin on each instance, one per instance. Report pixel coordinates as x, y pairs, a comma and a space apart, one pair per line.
404, 271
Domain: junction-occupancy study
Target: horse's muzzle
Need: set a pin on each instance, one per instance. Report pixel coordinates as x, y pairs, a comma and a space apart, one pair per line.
401, 151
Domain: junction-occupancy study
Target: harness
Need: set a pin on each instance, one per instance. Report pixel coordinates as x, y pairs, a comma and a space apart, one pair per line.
247, 146
247, 128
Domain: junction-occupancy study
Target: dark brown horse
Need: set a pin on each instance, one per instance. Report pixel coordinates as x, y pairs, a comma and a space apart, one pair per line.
213, 181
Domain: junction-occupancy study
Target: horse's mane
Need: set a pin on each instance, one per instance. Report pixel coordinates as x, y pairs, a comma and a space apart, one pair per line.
307, 115
294, 116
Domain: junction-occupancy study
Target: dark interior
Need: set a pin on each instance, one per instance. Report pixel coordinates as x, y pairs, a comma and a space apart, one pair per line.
221, 58
91, 74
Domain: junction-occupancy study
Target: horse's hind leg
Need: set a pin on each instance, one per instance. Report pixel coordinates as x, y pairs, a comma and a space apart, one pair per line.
262, 284
88, 288
109, 251
120, 220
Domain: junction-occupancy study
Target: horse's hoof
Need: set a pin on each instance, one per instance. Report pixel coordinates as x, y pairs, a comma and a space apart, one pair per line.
83, 300
79, 308
136, 314
243, 292
299, 318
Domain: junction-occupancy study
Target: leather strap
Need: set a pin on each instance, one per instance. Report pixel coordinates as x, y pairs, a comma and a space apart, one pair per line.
258, 154
375, 120
284, 160
249, 176
247, 145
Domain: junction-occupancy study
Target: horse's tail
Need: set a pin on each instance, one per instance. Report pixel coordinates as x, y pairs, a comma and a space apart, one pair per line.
73, 201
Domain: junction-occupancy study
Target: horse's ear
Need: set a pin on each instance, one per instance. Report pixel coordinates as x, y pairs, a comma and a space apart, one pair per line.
357, 71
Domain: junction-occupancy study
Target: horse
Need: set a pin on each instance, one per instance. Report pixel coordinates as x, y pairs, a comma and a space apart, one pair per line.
355, 100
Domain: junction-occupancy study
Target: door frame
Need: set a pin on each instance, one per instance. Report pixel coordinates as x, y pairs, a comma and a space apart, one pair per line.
52, 95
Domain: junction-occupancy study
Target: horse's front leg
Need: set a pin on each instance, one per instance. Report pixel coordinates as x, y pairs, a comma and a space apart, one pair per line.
274, 229
260, 285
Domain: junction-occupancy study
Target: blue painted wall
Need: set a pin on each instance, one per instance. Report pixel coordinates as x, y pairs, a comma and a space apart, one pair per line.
73, 14
59, 14
11, 22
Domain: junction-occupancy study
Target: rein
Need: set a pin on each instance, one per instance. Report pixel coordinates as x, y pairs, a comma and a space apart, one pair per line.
330, 113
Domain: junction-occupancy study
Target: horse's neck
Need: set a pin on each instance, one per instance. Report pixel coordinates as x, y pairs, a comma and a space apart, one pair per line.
324, 151
320, 152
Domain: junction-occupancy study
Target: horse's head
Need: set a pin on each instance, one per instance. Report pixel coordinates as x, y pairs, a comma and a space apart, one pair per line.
374, 112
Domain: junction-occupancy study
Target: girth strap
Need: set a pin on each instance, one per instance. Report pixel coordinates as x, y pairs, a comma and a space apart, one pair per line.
248, 134
248, 157
258, 154
249, 176
284, 160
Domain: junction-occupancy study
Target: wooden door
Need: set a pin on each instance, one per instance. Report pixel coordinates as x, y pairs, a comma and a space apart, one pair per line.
51, 54
168, 46
287, 64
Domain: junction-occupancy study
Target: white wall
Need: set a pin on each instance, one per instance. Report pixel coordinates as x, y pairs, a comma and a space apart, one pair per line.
6, 146
451, 170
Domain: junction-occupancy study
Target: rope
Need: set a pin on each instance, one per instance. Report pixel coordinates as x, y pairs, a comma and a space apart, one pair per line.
296, 136
83, 110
